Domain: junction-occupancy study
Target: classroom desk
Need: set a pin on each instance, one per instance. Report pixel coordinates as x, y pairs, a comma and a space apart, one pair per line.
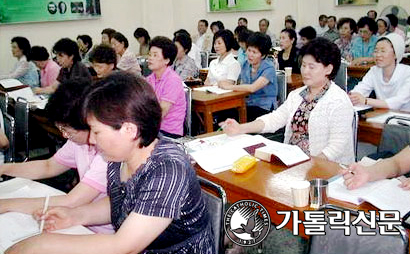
208, 103
293, 82
358, 71
268, 183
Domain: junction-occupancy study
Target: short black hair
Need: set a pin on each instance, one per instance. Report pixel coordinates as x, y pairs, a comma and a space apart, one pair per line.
350, 21
103, 54
260, 41
325, 52
120, 38
181, 31
219, 24
184, 40
109, 32
228, 38
292, 35
323, 16
244, 19
408, 20
87, 40
267, 21
169, 50
332, 17
39, 53
68, 47
244, 35
308, 32
292, 21
375, 13
23, 44
239, 29
394, 21
65, 105
141, 32
123, 97
363, 21
204, 21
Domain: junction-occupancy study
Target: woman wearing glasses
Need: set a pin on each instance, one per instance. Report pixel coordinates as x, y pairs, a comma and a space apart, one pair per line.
363, 45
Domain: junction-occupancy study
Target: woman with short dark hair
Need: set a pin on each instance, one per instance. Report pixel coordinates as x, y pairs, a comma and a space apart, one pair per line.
288, 56
347, 28
24, 70
183, 64
167, 86
127, 60
49, 69
143, 39
85, 44
318, 116
155, 202
363, 45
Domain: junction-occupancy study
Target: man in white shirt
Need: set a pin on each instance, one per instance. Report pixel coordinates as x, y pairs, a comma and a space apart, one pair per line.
322, 28
203, 39
263, 28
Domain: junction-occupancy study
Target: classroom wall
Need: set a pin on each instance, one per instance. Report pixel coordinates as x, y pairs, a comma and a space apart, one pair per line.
163, 17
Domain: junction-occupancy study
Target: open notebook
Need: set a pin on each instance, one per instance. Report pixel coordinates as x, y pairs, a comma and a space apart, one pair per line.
14, 226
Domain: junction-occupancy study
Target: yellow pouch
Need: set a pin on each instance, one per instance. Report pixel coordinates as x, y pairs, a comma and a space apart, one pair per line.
243, 164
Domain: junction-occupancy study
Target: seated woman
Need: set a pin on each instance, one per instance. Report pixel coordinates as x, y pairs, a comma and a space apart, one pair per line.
68, 57
258, 76
383, 26
143, 39
24, 71
155, 201
103, 60
127, 60
288, 57
64, 110
224, 69
389, 78
363, 45
183, 64
318, 117
49, 69
85, 44
167, 86
347, 28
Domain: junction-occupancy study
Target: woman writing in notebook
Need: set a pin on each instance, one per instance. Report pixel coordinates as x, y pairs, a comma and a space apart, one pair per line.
318, 116
154, 203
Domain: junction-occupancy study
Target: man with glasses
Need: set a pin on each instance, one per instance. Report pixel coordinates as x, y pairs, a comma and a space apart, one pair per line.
64, 110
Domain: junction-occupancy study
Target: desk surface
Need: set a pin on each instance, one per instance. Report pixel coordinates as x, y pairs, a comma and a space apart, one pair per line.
203, 98
294, 81
358, 71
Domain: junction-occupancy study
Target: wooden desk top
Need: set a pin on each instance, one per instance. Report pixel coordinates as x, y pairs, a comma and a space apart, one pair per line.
358, 71
294, 81
203, 98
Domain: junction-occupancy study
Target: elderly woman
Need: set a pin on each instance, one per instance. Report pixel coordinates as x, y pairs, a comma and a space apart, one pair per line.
24, 71
143, 39
49, 69
127, 61
155, 201
184, 65
383, 26
258, 76
167, 86
389, 79
288, 57
85, 44
224, 69
363, 45
318, 116
347, 28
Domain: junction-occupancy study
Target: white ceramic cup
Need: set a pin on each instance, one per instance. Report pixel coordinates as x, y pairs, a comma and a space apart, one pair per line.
288, 71
300, 193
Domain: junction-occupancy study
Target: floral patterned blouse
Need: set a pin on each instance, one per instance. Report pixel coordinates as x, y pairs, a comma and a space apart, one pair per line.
300, 120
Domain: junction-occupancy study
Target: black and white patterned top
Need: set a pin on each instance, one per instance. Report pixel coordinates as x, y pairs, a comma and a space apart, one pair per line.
165, 186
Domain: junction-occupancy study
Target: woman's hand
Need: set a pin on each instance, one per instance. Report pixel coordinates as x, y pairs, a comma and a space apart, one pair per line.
225, 85
357, 98
405, 183
231, 127
38, 90
355, 176
56, 218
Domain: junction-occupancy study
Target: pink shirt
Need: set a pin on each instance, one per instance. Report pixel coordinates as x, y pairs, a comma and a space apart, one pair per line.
50, 73
170, 88
91, 168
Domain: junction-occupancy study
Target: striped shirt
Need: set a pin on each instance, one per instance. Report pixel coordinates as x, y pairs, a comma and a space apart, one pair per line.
165, 186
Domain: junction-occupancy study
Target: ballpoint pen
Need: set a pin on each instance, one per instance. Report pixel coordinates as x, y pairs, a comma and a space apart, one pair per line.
44, 211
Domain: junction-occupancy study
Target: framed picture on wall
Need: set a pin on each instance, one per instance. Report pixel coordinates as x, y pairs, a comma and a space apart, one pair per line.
356, 2
238, 5
22, 11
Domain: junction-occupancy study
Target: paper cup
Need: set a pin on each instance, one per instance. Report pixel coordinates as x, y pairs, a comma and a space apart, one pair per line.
300, 193
288, 71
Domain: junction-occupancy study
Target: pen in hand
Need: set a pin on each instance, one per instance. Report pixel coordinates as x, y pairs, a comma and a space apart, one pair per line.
223, 126
44, 211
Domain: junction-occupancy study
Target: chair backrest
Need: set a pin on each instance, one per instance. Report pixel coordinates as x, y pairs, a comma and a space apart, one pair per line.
204, 59
4, 101
216, 200
335, 241
355, 126
9, 130
341, 76
395, 136
282, 86
188, 116
22, 110
143, 61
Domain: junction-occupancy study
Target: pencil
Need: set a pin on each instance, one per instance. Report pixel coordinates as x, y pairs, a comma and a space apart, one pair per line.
44, 211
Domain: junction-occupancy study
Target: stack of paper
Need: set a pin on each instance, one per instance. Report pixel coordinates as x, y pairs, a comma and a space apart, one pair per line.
212, 89
382, 118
